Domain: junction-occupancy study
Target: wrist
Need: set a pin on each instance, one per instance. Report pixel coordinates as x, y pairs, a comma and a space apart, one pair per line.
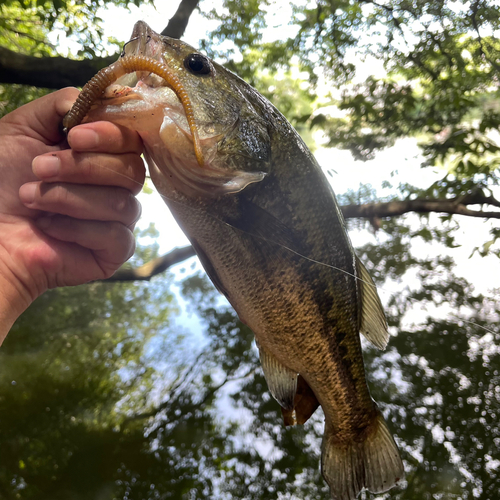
14, 300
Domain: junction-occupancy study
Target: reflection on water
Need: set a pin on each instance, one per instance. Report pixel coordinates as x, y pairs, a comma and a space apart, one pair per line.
89, 412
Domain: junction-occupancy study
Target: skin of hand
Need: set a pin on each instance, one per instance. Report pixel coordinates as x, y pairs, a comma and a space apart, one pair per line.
66, 212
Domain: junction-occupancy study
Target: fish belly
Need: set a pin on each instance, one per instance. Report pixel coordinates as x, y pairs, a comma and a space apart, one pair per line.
302, 312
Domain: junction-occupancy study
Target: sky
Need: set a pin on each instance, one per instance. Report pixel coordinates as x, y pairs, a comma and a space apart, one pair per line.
401, 163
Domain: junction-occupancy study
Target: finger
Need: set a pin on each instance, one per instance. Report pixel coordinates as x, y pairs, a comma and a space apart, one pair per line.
126, 170
112, 243
46, 113
102, 203
105, 137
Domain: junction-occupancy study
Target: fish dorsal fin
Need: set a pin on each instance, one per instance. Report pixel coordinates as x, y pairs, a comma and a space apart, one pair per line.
373, 324
282, 381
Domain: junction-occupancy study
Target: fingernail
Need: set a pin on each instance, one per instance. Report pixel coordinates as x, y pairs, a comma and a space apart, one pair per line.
83, 139
46, 166
43, 222
27, 193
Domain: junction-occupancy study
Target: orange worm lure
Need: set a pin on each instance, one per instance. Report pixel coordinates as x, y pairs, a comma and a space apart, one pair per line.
94, 88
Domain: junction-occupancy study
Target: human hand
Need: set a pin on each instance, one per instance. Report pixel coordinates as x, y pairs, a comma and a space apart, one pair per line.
66, 215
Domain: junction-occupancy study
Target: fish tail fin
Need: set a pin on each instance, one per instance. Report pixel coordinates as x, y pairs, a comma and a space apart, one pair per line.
373, 463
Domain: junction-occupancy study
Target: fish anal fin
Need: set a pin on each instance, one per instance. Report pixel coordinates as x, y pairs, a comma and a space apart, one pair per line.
281, 380
372, 322
305, 401
288, 417
372, 463
304, 405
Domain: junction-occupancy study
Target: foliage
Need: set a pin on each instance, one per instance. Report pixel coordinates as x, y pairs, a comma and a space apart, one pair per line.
38, 27
14, 96
103, 395
78, 421
26, 24
441, 86
72, 369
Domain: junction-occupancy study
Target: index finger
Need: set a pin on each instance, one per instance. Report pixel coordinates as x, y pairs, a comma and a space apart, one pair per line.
104, 137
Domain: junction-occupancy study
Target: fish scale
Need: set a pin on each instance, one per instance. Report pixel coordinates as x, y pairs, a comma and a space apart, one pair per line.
342, 390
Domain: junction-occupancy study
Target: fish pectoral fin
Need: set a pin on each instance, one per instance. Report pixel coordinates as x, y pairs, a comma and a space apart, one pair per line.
373, 324
372, 463
304, 405
257, 221
282, 381
209, 268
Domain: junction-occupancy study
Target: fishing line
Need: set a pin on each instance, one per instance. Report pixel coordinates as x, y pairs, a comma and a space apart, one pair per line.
414, 301
330, 266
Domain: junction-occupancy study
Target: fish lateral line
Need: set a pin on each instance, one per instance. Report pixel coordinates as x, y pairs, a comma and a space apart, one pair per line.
412, 300
94, 88
164, 197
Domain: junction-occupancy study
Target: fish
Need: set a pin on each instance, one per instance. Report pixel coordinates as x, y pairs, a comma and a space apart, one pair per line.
266, 226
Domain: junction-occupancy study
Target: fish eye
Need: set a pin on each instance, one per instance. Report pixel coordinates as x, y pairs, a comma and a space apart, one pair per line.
198, 64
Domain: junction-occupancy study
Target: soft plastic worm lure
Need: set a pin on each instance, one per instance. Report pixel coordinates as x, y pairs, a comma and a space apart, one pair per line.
94, 88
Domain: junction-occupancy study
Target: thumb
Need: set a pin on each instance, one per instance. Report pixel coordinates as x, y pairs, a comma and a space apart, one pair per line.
44, 116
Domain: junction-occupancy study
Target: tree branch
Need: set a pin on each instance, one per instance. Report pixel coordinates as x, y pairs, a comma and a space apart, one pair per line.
163, 407
58, 72
372, 211
187, 377
474, 10
179, 21
49, 72
153, 267
455, 206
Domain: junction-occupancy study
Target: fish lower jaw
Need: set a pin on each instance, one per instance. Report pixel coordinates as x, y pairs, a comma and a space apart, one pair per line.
183, 174
177, 162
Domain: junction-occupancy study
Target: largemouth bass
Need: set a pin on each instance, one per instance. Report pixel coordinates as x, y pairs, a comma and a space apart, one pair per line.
266, 226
